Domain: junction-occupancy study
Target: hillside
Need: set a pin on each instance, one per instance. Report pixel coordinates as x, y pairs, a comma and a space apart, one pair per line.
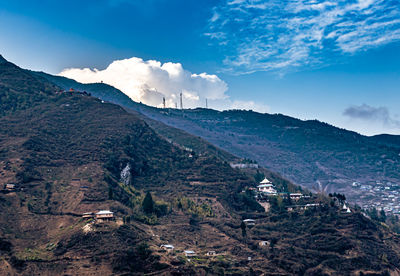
313, 154
71, 153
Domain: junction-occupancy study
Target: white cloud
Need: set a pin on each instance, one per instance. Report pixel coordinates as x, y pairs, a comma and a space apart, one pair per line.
149, 81
265, 35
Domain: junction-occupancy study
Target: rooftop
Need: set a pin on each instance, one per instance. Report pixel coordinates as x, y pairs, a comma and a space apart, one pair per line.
265, 181
104, 212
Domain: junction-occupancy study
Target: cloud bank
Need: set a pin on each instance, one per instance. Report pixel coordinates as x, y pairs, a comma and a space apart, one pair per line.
149, 81
274, 35
372, 114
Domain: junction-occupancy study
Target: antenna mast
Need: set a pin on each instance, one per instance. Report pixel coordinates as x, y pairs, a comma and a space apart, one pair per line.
181, 101
163, 101
206, 103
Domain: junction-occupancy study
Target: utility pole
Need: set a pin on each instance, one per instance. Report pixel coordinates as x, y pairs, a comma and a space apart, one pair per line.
181, 101
163, 101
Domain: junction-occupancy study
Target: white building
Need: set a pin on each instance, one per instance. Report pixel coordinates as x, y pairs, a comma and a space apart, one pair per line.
190, 253
296, 196
249, 222
267, 187
167, 247
104, 214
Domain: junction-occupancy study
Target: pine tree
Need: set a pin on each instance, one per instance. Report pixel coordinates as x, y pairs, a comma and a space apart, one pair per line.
148, 204
243, 227
382, 216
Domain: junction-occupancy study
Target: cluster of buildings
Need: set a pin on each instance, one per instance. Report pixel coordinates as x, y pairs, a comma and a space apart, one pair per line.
266, 188
380, 195
244, 165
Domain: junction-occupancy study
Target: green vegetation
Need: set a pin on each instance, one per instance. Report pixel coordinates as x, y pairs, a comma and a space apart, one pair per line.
189, 206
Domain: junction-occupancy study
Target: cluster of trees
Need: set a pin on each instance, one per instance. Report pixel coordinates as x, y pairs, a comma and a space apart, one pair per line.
340, 197
151, 207
377, 216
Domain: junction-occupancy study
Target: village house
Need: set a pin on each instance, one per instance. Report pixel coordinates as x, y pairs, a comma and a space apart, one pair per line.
167, 247
249, 222
88, 215
263, 243
10, 187
105, 215
296, 196
211, 253
190, 253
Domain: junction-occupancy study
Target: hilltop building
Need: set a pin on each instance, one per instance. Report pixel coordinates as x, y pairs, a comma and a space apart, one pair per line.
346, 209
266, 187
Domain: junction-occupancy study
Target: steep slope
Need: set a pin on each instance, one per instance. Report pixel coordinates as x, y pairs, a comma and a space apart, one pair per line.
19, 89
66, 155
108, 93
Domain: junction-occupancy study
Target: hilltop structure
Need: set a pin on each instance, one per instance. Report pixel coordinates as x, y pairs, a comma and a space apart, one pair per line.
266, 187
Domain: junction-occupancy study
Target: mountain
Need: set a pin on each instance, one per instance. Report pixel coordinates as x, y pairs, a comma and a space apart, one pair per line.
393, 140
313, 154
19, 89
71, 153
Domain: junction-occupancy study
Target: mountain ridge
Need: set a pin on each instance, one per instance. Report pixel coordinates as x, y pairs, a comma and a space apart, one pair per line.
310, 153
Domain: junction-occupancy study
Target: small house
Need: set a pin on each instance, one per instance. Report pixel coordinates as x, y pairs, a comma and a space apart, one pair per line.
104, 214
88, 215
10, 187
190, 253
296, 196
263, 243
249, 222
167, 247
211, 253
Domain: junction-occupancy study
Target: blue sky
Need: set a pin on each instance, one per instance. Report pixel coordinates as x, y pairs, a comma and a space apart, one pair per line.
335, 61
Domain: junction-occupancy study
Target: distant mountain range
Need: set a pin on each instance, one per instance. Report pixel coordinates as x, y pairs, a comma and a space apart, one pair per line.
313, 154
